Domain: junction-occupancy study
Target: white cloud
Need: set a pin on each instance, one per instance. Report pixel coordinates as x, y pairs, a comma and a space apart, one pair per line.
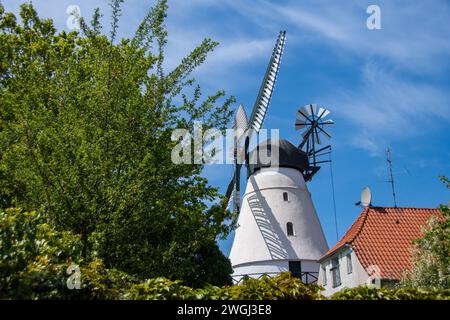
399, 94
387, 107
390, 102
231, 52
409, 37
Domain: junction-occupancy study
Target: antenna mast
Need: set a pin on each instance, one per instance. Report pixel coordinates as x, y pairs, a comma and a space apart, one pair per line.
391, 176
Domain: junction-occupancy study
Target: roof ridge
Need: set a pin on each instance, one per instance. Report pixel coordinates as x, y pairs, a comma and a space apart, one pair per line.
366, 211
351, 233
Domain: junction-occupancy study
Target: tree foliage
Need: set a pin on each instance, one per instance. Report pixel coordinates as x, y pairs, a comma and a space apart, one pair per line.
431, 254
85, 140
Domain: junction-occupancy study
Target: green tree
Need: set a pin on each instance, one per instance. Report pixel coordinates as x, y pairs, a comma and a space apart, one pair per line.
85, 140
431, 255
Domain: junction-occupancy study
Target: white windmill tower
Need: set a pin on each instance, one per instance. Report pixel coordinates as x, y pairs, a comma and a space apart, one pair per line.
277, 227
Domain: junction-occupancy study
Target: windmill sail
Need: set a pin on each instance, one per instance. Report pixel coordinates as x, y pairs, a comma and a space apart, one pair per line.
265, 92
232, 194
240, 120
255, 122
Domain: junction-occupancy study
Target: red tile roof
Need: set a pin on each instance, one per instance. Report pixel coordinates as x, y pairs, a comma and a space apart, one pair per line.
383, 236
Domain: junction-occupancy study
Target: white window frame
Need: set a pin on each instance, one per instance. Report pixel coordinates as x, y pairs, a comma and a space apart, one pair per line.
335, 273
349, 263
324, 277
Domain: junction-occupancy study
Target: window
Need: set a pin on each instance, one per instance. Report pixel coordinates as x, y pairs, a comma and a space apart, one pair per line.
335, 273
349, 264
324, 275
290, 229
295, 268
285, 196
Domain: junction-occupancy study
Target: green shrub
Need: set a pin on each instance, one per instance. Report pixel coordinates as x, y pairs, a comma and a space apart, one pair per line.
34, 258
213, 293
33, 255
372, 293
281, 287
99, 283
160, 289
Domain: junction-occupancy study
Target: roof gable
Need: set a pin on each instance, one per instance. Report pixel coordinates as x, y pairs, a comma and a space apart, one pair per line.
383, 236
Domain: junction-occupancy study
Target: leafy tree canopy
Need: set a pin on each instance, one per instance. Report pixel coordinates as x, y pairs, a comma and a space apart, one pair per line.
85, 140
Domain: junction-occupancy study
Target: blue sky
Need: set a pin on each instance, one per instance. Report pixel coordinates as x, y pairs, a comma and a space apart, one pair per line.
388, 87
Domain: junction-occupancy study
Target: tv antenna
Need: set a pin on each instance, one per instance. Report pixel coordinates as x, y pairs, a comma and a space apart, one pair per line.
391, 176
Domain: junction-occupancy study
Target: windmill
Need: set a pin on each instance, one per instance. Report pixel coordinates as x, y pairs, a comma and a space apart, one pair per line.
242, 124
277, 226
311, 118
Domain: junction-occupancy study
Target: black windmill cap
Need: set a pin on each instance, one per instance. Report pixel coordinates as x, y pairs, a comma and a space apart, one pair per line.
289, 155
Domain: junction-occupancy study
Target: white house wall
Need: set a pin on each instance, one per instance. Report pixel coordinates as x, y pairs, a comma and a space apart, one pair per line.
357, 277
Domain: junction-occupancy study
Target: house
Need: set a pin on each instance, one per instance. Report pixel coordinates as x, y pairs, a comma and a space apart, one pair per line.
376, 249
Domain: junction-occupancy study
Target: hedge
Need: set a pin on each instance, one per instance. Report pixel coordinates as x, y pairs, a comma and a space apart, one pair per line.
282, 287
34, 258
372, 293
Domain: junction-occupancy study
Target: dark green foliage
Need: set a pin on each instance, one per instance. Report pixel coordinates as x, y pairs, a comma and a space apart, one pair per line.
372, 293
212, 266
85, 140
282, 287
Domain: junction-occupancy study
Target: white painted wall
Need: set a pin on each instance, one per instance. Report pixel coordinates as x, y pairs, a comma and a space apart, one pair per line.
261, 243
357, 277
